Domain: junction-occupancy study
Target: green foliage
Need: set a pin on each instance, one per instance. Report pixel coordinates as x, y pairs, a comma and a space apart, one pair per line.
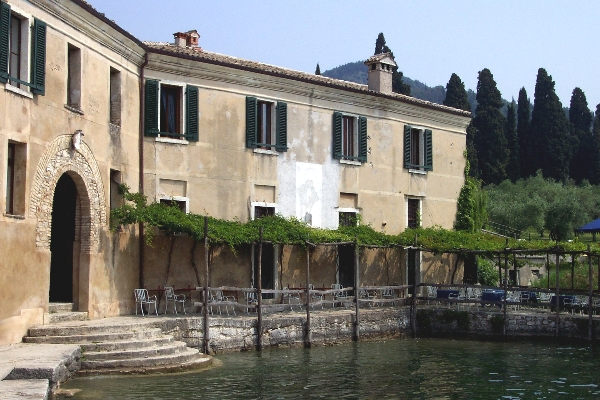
487, 273
380, 46
462, 318
580, 278
471, 210
585, 149
526, 145
456, 96
513, 166
318, 70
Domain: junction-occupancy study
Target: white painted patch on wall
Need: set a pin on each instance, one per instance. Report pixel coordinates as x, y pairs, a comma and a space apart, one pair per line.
309, 187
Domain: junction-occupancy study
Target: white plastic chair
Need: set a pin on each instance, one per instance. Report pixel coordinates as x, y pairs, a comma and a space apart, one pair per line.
291, 298
315, 296
339, 296
251, 301
141, 298
174, 298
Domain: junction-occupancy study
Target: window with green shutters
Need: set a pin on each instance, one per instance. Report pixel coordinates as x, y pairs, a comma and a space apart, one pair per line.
349, 137
15, 31
164, 114
266, 124
418, 148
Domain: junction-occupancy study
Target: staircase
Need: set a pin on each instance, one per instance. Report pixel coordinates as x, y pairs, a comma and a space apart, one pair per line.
62, 312
119, 345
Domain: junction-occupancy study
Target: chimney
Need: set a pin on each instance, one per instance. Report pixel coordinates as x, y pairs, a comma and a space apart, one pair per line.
186, 39
381, 67
180, 39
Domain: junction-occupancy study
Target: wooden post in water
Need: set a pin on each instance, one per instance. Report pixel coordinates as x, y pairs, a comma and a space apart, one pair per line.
556, 328
504, 311
591, 297
413, 304
205, 341
307, 338
259, 291
356, 290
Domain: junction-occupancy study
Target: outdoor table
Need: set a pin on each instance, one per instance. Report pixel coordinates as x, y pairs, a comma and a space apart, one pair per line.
445, 293
532, 297
570, 300
492, 295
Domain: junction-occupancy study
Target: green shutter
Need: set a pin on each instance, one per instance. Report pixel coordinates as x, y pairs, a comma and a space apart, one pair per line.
191, 113
151, 108
4, 40
281, 126
362, 139
428, 151
337, 135
38, 58
407, 129
251, 122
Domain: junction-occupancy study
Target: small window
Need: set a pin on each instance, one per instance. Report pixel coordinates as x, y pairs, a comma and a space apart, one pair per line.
116, 199
266, 124
413, 213
171, 98
348, 218
115, 97
418, 149
180, 203
15, 178
349, 138
74, 77
16, 56
260, 211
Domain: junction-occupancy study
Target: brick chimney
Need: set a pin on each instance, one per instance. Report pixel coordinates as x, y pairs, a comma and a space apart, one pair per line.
186, 39
381, 67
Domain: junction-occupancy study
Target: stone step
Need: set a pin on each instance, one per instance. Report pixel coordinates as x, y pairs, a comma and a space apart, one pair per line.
126, 344
84, 329
53, 318
60, 307
142, 352
95, 338
199, 361
182, 357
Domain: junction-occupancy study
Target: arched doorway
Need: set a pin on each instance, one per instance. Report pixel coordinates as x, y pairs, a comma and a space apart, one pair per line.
62, 237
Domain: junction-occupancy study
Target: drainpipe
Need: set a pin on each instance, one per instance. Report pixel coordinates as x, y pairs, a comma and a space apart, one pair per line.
141, 168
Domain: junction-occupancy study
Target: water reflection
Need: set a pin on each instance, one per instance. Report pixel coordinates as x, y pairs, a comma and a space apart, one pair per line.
395, 369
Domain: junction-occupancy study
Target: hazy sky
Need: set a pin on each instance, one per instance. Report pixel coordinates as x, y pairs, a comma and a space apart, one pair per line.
430, 39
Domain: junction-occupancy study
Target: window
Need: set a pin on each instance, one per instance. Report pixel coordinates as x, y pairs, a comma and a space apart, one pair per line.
413, 219
266, 124
115, 197
22, 51
349, 137
15, 178
115, 97
170, 113
260, 212
180, 202
73, 77
418, 149
348, 218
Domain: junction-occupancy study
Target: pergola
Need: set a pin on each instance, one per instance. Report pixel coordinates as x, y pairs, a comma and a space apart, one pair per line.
592, 227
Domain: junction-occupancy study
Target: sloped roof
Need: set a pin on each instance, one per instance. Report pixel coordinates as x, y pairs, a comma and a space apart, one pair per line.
380, 58
593, 226
199, 54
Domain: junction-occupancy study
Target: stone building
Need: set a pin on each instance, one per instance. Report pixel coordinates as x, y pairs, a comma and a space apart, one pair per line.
87, 106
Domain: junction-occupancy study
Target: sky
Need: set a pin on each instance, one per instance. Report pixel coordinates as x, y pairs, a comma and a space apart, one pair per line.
431, 39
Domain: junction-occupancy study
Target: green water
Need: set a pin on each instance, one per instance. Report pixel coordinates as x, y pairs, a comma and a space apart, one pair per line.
394, 369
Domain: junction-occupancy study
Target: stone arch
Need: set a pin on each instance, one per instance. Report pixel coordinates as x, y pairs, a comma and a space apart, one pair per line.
59, 158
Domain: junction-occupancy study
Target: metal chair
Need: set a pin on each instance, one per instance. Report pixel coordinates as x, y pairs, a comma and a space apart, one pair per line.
291, 298
387, 294
141, 298
339, 296
251, 301
365, 294
217, 298
315, 296
174, 298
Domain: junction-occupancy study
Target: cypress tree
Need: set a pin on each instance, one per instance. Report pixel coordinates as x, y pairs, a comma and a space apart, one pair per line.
526, 148
550, 130
380, 46
318, 70
456, 95
490, 141
595, 175
513, 167
580, 120
472, 151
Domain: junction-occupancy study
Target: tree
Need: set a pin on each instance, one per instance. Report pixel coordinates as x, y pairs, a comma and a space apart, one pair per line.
397, 85
595, 176
526, 148
550, 130
318, 70
580, 119
456, 95
471, 208
510, 131
490, 141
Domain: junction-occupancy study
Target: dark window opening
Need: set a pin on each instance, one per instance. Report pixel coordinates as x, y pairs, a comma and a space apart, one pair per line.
415, 147
14, 68
413, 213
74, 77
348, 218
346, 265
260, 212
264, 124
170, 111
116, 199
115, 97
181, 204
348, 137
10, 179
267, 267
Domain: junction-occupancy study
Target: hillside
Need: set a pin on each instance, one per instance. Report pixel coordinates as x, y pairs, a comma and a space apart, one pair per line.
357, 72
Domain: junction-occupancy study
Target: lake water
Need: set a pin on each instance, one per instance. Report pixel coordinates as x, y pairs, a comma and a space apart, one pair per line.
393, 369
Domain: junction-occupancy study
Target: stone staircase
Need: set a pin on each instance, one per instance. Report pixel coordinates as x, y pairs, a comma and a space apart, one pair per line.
61, 312
120, 345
